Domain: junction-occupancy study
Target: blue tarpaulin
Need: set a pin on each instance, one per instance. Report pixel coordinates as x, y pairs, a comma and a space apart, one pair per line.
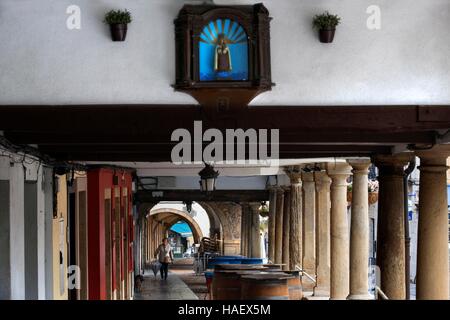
182, 228
448, 195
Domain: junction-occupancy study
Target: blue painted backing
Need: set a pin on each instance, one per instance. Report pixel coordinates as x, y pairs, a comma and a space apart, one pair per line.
239, 52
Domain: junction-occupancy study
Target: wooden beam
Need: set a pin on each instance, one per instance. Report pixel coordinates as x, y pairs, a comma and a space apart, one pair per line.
67, 138
148, 119
143, 132
154, 196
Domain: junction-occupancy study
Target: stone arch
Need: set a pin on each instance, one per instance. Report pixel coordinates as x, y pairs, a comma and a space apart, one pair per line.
224, 218
171, 216
216, 223
229, 214
216, 219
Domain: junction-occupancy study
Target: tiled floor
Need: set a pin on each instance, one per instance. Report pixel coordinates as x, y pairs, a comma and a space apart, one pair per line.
153, 288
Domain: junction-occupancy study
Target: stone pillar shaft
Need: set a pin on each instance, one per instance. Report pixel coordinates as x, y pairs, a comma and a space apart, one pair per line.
249, 230
272, 215
255, 231
432, 244
391, 227
286, 228
323, 183
359, 231
339, 282
244, 231
309, 212
295, 218
279, 227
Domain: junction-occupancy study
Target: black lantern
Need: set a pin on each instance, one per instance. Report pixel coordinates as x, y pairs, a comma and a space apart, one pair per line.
188, 205
208, 178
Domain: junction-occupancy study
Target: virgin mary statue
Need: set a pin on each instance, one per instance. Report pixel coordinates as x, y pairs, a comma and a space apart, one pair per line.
222, 57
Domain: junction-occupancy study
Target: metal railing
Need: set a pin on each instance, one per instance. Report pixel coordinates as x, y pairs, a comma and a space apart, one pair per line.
313, 279
380, 293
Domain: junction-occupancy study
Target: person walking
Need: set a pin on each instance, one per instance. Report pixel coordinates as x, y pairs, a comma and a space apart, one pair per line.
164, 254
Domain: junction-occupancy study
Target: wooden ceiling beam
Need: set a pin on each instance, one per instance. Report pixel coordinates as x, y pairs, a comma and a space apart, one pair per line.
154, 196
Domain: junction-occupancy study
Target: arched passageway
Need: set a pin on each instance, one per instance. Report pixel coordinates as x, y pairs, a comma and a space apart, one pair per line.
156, 219
170, 216
224, 225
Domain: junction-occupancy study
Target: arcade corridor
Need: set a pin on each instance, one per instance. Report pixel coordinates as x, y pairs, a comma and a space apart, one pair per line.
285, 150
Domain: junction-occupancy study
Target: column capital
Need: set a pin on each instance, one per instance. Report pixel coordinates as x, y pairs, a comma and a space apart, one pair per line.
245, 207
360, 165
308, 181
434, 159
323, 181
254, 206
280, 190
307, 176
393, 164
294, 173
335, 169
286, 189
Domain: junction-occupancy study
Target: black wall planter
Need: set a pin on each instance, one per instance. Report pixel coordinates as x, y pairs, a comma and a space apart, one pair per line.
118, 31
326, 36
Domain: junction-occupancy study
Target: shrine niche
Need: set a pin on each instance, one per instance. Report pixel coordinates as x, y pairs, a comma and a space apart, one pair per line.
223, 54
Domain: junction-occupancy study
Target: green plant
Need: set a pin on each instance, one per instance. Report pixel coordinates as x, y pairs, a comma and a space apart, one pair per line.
118, 17
373, 186
326, 21
264, 210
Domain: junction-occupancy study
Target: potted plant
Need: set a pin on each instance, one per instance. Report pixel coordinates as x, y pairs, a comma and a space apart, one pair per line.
264, 210
373, 191
326, 24
118, 21
349, 193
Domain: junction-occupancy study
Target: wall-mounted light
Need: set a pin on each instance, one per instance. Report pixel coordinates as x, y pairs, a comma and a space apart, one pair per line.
208, 178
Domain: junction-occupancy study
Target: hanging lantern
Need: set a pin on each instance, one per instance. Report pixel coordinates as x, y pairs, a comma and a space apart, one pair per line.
264, 209
188, 205
208, 178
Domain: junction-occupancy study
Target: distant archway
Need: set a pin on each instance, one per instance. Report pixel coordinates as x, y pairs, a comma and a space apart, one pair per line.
150, 231
171, 216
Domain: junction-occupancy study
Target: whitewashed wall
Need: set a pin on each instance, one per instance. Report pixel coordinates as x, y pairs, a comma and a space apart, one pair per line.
406, 62
24, 237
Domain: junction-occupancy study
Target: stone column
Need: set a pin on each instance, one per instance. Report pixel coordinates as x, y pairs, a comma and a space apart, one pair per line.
244, 231
255, 231
248, 230
359, 231
323, 182
339, 276
432, 244
295, 221
286, 227
309, 212
272, 215
279, 227
391, 228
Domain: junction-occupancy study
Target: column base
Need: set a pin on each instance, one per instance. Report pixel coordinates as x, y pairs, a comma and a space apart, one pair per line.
363, 296
338, 299
317, 298
307, 285
321, 292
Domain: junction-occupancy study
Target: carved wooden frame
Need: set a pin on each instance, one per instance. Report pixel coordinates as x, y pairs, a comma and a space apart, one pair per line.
223, 94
